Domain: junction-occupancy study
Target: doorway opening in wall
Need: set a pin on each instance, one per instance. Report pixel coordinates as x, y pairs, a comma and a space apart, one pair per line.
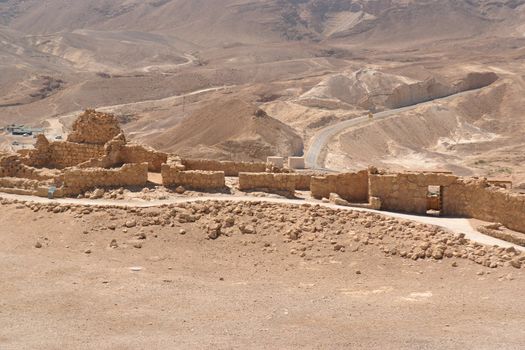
434, 200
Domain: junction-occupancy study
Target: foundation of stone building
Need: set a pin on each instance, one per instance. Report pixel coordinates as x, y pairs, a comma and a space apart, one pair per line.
97, 155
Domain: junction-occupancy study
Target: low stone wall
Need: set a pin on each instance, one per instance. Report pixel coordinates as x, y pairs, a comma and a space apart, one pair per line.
461, 197
67, 154
406, 192
352, 187
21, 186
61, 154
228, 167
476, 198
203, 180
12, 166
132, 153
78, 180
303, 181
267, 181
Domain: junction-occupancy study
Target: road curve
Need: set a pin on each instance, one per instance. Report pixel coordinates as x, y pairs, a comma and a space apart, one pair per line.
456, 225
322, 138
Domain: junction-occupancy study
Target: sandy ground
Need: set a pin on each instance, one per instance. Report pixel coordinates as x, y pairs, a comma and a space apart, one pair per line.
236, 292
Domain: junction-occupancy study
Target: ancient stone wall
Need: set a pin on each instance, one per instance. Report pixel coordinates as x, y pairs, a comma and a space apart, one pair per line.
477, 199
9, 165
406, 192
267, 181
12, 166
22, 186
303, 181
352, 187
77, 180
195, 179
68, 154
94, 128
133, 153
61, 154
228, 167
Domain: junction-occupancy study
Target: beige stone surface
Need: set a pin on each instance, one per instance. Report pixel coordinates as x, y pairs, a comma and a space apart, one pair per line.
77, 180
352, 187
276, 161
195, 179
94, 128
296, 163
273, 182
230, 168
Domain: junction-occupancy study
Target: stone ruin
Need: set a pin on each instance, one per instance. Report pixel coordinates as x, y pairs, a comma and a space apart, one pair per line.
97, 155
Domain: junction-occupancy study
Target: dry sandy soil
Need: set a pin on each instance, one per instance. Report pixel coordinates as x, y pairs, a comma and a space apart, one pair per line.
112, 278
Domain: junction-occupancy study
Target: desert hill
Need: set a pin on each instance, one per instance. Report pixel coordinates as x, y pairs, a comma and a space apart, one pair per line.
231, 129
375, 90
253, 21
310, 64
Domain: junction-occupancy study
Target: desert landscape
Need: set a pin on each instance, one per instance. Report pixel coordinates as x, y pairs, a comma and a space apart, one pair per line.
262, 174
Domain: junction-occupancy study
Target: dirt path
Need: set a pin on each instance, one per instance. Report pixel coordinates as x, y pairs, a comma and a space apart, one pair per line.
456, 225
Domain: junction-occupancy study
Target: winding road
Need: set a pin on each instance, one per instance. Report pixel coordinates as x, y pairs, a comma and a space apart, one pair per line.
313, 157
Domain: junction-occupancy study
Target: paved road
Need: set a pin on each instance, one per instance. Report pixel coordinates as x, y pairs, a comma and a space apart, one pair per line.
456, 225
322, 138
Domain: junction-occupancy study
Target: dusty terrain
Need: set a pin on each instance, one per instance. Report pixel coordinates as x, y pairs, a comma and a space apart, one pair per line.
243, 80
111, 278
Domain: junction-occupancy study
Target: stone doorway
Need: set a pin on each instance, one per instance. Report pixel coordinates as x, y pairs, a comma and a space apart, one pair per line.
434, 200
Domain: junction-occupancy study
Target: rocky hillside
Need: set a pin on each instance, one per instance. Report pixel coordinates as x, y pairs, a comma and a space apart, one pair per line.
248, 21
374, 90
231, 129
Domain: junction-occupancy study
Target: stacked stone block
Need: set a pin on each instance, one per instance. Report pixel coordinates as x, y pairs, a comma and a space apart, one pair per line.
267, 181
228, 167
78, 180
203, 180
352, 187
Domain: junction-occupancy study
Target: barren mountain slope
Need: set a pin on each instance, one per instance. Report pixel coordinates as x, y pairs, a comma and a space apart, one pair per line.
307, 63
246, 21
231, 129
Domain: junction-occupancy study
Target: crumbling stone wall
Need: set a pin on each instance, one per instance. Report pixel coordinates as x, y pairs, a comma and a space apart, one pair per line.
303, 181
406, 192
12, 166
267, 181
352, 187
203, 180
9, 165
77, 180
68, 154
133, 153
476, 198
229, 168
94, 128
23, 186
61, 154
